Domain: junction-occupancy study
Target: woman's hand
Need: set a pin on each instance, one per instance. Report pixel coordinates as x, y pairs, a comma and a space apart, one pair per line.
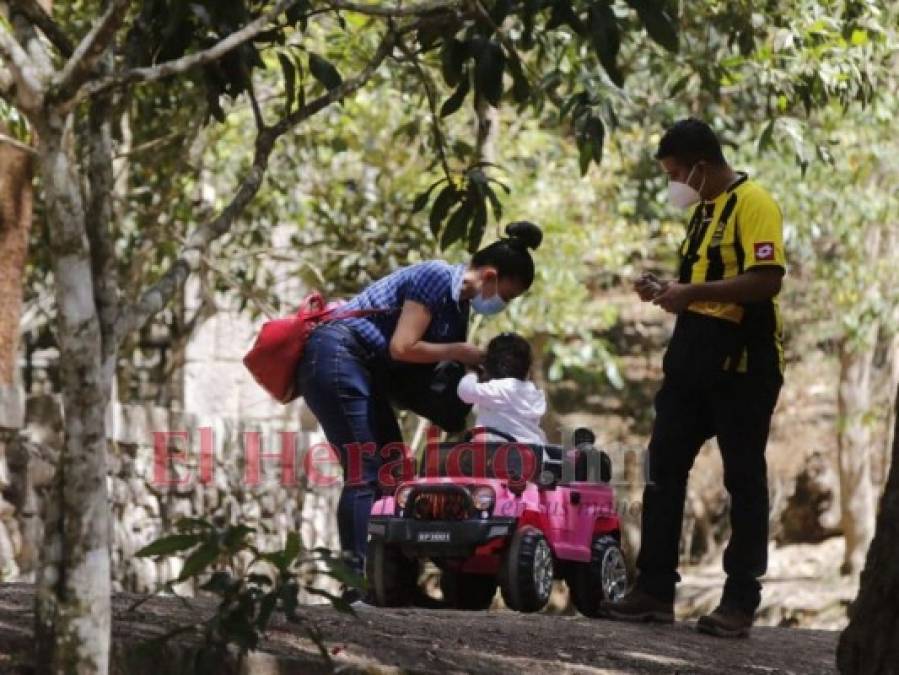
468, 354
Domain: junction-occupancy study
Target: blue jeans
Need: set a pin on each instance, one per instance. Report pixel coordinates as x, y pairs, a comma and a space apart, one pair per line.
344, 385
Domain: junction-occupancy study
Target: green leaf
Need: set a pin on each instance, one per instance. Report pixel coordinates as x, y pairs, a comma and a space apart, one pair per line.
338, 603
289, 601
422, 198
500, 11
290, 81
595, 132
218, 582
266, 608
199, 560
490, 63
339, 570
428, 36
457, 225
505, 187
521, 88
746, 41
606, 39
563, 13
680, 85
445, 199
235, 537
295, 13
170, 544
575, 101
292, 547
495, 203
659, 24
767, 135
189, 524
323, 71
585, 155
454, 102
478, 227
452, 61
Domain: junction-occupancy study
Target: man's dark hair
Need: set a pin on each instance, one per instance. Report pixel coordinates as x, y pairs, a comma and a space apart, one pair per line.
690, 141
508, 355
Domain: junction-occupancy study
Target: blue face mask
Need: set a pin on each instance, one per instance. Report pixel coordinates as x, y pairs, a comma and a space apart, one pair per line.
487, 306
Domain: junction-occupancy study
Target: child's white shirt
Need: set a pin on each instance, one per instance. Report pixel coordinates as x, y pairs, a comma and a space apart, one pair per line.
507, 404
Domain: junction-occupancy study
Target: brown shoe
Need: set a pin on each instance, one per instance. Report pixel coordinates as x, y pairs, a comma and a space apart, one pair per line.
726, 622
640, 607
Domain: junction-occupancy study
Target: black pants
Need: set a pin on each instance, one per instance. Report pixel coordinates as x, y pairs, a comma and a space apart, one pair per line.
737, 410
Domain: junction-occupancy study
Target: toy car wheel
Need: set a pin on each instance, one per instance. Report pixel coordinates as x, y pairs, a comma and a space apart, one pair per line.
467, 591
392, 577
527, 571
604, 578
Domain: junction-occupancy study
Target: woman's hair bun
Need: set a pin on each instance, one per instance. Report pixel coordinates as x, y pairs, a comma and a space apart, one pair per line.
524, 234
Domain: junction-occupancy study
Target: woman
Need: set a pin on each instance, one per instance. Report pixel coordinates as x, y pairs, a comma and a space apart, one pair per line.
342, 375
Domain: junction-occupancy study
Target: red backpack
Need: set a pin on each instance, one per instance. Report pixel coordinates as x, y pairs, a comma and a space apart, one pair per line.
275, 355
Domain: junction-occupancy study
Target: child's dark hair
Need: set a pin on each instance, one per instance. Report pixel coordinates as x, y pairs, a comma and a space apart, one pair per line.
690, 141
508, 355
510, 255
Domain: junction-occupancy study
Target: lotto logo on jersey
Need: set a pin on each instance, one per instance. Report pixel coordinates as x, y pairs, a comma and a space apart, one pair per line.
764, 250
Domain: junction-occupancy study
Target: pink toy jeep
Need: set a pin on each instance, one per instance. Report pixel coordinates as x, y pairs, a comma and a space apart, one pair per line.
501, 513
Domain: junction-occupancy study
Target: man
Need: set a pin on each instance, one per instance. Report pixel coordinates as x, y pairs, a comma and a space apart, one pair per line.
722, 375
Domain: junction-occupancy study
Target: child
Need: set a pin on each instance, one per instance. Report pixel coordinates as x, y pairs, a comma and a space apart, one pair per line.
506, 399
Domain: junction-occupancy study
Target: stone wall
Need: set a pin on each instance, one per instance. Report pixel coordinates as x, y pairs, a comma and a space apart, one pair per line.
142, 507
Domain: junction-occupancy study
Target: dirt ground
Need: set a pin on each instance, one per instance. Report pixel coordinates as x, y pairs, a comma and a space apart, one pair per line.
430, 640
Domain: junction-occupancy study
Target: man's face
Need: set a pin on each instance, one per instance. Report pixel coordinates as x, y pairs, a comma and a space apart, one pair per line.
678, 171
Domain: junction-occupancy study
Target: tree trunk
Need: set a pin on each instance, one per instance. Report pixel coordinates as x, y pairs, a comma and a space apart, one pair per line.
870, 644
73, 589
15, 224
854, 452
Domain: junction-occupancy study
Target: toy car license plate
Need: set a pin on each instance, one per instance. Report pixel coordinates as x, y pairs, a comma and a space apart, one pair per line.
433, 536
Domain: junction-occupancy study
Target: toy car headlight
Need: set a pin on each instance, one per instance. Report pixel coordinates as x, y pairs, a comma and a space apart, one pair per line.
402, 496
482, 497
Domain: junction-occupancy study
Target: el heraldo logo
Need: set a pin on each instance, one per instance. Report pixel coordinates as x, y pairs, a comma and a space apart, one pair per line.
764, 250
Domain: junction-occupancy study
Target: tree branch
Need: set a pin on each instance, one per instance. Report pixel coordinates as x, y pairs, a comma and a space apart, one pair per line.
157, 296
24, 74
418, 9
81, 64
24, 147
7, 83
32, 10
99, 218
190, 61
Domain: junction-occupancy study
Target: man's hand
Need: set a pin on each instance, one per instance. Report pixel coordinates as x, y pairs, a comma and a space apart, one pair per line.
648, 286
675, 298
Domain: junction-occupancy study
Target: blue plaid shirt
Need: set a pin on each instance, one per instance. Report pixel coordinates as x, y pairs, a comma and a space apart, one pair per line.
435, 284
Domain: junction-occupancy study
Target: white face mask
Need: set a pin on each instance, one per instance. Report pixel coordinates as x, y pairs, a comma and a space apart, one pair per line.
683, 195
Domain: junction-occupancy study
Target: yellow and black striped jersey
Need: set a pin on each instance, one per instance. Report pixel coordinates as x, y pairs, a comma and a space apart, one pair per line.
739, 230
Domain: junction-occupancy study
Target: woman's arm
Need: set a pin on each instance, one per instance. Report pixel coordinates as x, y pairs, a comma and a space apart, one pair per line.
406, 344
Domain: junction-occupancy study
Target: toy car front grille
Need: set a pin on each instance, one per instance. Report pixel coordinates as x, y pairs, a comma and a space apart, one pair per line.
441, 505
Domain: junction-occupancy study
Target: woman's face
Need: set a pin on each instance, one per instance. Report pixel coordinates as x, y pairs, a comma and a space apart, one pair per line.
490, 284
